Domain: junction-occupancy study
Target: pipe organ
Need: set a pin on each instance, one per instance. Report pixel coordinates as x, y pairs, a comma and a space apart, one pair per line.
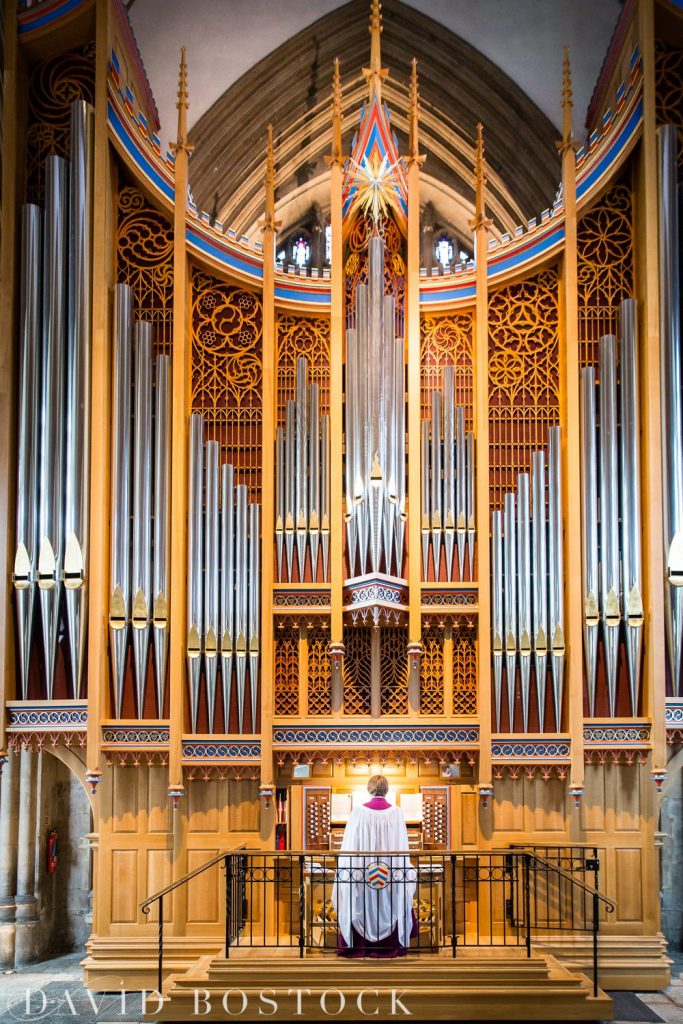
139, 566
223, 586
53, 467
272, 524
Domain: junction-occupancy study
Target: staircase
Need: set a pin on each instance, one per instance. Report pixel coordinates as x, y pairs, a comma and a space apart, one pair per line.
479, 984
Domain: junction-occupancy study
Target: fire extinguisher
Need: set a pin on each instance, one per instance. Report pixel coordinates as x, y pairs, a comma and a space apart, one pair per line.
52, 840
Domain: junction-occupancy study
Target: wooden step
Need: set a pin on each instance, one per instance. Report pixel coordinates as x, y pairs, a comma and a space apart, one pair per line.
479, 984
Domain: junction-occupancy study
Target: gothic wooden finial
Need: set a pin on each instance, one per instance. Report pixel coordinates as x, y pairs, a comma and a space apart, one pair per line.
567, 105
269, 219
183, 106
480, 182
413, 118
336, 114
375, 74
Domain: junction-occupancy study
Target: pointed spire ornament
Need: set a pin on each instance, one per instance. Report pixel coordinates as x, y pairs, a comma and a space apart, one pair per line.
480, 220
413, 118
183, 106
375, 74
567, 141
335, 158
269, 221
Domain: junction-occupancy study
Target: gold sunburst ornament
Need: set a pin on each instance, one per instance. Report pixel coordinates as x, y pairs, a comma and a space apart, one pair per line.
374, 181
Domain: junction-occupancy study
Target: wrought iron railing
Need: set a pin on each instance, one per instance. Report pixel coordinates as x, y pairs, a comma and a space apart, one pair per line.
379, 903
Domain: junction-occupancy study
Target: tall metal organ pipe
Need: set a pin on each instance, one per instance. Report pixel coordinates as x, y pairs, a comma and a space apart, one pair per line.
77, 479
142, 509
589, 533
524, 592
195, 548
556, 570
51, 500
631, 561
449, 467
325, 465
610, 596
162, 526
539, 581
227, 586
119, 583
672, 399
24, 574
211, 572
253, 622
241, 598
510, 571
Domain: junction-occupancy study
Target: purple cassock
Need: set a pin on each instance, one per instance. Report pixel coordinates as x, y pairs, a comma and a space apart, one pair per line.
373, 892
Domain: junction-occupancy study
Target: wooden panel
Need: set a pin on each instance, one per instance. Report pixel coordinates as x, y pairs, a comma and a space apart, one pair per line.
159, 875
157, 799
593, 801
626, 797
469, 803
549, 805
203, 806
124, 883
125, 799
244, 813
629, 885
205, 893
508, 805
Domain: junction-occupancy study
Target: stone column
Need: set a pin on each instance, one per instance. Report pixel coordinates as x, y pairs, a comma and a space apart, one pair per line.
9, 811
27, 930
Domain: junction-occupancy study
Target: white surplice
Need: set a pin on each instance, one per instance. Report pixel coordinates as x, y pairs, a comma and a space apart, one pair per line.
375, 912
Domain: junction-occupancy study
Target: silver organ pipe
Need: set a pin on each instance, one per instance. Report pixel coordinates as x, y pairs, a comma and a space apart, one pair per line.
142, 509
556, 570
290, 497
461, 496
77, 479
24, 574
119, 583
510, 609
610, 598
469, 492
449, 468
375, 428
162, 526
589, 547
227, 586
524, 592
280, 497
241, 597
399, 369
426, 493
314, 471
211, 573
388, 426
631, 561
497, 609
51, 500
301, 479
436, 482
325, 464
195, 547
254, 600
671, 398
539, 535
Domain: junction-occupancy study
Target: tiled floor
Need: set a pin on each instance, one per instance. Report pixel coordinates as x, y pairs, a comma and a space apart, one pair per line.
55, 994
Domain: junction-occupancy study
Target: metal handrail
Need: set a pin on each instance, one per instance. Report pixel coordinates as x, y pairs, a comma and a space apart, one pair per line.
146, 904
610, 905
